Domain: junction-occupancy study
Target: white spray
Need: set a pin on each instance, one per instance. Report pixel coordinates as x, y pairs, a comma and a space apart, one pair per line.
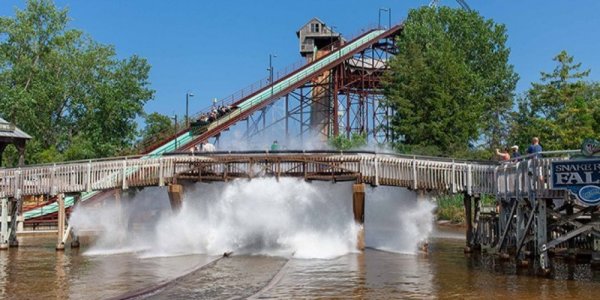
263, 216
395, 221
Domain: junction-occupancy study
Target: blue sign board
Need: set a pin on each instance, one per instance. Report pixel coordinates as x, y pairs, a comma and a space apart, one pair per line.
580, 177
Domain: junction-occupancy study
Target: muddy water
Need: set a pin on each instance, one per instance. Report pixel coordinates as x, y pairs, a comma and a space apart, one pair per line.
37, 271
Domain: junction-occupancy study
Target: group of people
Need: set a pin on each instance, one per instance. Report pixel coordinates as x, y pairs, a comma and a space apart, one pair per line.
204, 147
213, 115
514, 153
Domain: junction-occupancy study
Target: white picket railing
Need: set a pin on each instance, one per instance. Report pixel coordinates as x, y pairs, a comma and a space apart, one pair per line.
509, 180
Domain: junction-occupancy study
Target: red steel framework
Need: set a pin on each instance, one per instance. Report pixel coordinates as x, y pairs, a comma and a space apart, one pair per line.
354, 88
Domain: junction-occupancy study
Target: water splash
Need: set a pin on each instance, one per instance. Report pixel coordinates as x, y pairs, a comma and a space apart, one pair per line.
263, 216
395, 221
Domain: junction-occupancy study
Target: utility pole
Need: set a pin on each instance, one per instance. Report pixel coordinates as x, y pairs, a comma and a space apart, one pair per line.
389, 11
270, 69
187, 105
174, 118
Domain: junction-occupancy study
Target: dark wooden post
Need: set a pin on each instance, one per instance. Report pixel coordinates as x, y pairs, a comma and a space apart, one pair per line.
61, 222
175, 192
358, 206
468, 221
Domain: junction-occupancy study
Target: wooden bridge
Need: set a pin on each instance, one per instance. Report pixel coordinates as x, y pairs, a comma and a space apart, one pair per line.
419, 173
527, 217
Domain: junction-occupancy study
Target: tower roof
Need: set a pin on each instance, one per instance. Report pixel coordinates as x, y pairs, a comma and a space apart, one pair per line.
9, 130
308, 23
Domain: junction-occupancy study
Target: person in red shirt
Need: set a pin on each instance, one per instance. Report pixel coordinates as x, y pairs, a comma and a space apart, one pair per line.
503, 155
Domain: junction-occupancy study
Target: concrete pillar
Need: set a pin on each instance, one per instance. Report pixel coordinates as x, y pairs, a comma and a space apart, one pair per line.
74, 236
60, 200
358, 207
4, 224
175, 196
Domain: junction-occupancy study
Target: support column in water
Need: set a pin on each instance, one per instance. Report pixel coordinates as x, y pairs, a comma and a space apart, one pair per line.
175, 196
61, 222
468, 220
358, 206
595, 217
74, 236
4, 225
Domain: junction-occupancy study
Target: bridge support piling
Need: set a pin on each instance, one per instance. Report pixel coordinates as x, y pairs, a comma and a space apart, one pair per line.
60, 200
541, 233
358, 206
469, 222
175, 196
4, 225
74, 236
595, 218
14, 208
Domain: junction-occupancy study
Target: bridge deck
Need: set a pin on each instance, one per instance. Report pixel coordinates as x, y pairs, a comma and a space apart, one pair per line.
441, 175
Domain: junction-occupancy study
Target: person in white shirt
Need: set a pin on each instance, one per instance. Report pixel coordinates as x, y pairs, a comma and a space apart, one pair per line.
207, 147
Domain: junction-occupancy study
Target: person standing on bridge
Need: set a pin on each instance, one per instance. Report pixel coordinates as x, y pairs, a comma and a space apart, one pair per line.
503, 156
275, 146
535, 147
515, 151
207, 147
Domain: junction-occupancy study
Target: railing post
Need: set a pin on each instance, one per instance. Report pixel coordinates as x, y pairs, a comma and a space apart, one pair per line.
89, 176
124, 172
53, 188
496, 186
414, 167
469, 179
453, 177
161, 180
376, 171
18, 184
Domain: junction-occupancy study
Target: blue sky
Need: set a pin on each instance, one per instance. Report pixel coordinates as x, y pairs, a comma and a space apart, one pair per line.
214, 48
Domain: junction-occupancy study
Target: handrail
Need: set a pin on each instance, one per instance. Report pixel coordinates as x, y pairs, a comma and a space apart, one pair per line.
374, 168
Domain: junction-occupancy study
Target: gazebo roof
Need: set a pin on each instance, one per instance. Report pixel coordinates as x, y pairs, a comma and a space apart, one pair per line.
10, 131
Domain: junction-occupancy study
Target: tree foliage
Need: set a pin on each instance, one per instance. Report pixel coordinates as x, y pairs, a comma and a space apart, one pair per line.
451, 83
563, 109
341, 142
72, 94
156, 126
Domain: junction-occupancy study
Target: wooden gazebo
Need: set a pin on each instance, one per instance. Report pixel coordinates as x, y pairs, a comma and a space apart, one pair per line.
10, 134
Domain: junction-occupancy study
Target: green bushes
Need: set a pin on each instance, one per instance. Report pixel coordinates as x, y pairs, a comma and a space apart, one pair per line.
451, 207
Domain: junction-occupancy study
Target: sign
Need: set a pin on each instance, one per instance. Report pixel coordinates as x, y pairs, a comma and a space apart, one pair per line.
590, 147
580, 177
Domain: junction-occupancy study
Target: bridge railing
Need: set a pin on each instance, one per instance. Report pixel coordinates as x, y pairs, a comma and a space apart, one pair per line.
520, 177
414, 172
92, 175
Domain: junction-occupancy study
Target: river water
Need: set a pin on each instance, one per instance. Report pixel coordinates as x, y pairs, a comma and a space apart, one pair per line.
37, 271
290, 239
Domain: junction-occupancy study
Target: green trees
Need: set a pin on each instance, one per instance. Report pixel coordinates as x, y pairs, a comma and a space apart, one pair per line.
341, 142
563, 109
156, 126
72, 94
450, 84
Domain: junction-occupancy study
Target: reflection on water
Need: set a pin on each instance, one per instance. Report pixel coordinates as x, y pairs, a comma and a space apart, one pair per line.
36, 271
